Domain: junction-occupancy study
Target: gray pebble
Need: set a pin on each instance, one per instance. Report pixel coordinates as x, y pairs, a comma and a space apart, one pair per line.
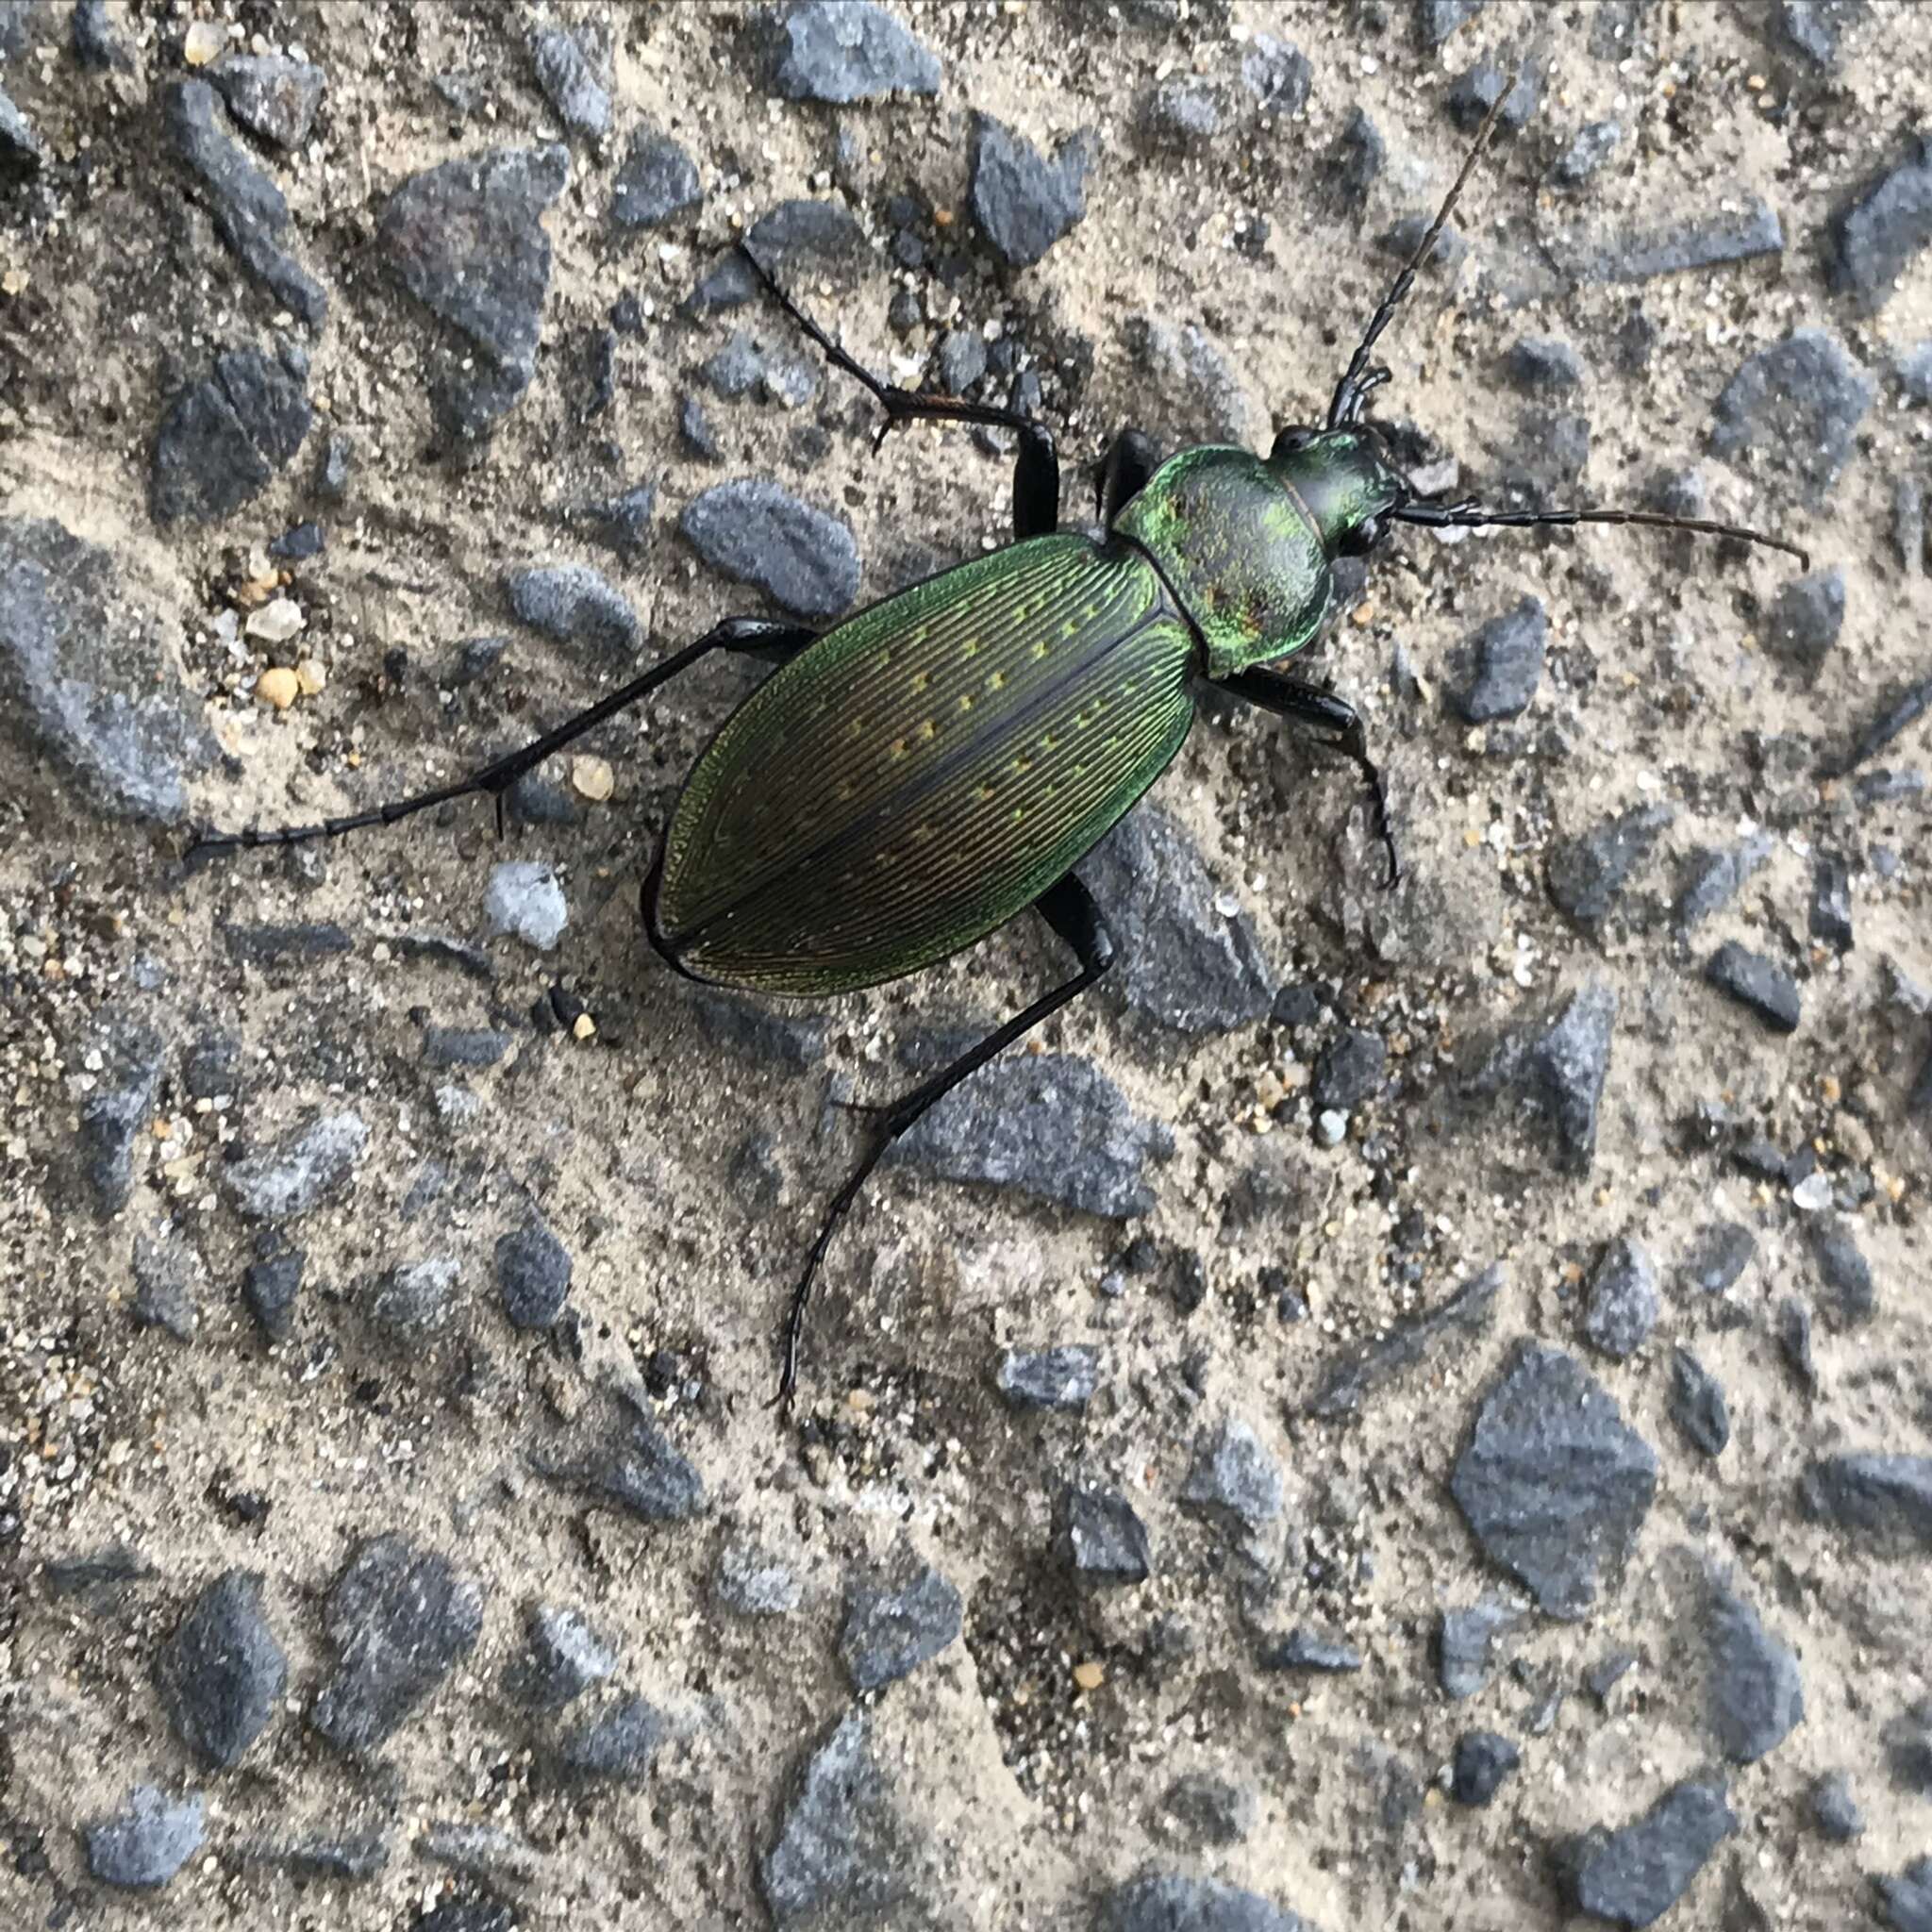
1844, 1271
1168, 1902
574, 603
1555, 1069
97, 43
1057, 1379
562, 1656
1048, 1125
353, 1857
1794, 406
1183, 112
1182, 963
615, 1745
839, 51
636, 1468
467, 240
1350, 1070
524, 900
656, 182
756, 533
414, 1297
226, 435
269, 1286
734, 1024
1815, 28
1436, 19
1874, 239
1634, 1874
1508, 657
1308, 1650
1358, 158
1353, 1373
1697, 1404
1711, 879
1908, 524
464, 1047
1588, 873
1806, 620
1756, 982
1539, 365
1679, 247
1553, 1482
401, 1620
249, 210
622, 523
695, 432
533, 1270
221, 1673
1906, 1900
143, 1844
1023, 202
291, 1177
894, 1625
1754, 1695
1211, 1810
167, 1272
115, 1115
1474, 92
1908, 1749
1100, 1536
961, 360
1719, 1257
86, 680
483, 1851
844, 1853
1589, 147
569, 84
1279, 76
1834, 1810
1234, 1478
1624, 1300
1466, 1645
1888, 1499
1483, 1759
271, 94
756, 1585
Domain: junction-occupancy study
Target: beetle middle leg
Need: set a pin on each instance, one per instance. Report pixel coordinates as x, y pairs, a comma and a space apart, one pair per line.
1071, 909
1036, 467
754, 636
1308, 704
1120, 474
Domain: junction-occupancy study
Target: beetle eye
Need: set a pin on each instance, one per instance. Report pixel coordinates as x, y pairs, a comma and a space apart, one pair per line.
1364, 538
1290, 439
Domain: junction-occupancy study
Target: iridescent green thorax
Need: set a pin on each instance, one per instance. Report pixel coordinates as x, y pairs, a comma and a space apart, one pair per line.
1240, 550
1342, 479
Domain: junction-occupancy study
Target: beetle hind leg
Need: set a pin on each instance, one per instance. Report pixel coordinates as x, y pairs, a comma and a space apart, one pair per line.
1071, 909
755, 636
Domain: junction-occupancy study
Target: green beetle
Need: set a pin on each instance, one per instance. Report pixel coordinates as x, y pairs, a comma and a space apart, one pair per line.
929, 768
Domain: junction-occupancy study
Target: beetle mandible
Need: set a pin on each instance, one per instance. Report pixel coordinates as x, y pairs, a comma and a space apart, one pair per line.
923, 772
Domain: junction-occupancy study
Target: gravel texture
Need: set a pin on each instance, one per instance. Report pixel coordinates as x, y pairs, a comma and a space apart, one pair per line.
1406, 1407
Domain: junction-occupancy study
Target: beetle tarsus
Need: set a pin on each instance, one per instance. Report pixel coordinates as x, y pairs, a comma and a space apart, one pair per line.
1071, 909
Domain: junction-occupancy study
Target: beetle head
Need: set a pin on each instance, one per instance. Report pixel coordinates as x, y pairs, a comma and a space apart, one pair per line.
1346, 481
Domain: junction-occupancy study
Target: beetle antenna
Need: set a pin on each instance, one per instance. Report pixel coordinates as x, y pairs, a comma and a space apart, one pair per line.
1351, 390
1471, 515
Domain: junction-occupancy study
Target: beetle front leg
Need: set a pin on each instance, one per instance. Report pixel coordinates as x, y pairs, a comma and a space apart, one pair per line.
1308, 704
1071, 909
1037, 466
